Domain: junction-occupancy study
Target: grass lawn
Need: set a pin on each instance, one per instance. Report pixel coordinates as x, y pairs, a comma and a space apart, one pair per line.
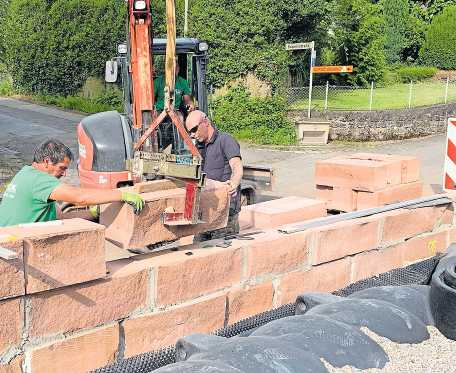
392, 97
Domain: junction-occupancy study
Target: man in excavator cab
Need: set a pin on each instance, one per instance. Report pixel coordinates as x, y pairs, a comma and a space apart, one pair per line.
182, 101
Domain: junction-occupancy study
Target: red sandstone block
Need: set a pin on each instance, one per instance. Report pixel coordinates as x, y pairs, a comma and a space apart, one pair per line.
87, 305
403, 224
420, 248
392, 194
12, 281
337, 198
61, 253
374, 262
379, 261
11, 322
272, 253
80, 354
249, 301
410, 166
339, 240
205, 271
152, 332
129, 230
326, 277
288, 210
359, 174
14, 366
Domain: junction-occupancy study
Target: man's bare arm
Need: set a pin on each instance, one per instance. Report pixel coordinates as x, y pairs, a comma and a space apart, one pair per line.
237, 172
84, 196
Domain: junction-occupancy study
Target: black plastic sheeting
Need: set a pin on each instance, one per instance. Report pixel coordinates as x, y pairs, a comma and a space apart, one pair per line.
443, 294
330, 328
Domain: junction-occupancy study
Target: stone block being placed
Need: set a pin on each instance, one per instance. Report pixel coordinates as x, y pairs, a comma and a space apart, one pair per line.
60, 253
128, 230
282, 211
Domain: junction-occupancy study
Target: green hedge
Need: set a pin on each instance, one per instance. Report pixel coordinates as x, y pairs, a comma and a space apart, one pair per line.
255, 119
414, 73
52, 47
439, 49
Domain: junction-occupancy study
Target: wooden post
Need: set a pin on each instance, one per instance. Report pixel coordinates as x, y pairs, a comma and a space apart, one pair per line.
170, 64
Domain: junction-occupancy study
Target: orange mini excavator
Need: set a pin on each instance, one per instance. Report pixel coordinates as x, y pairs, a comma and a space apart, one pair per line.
121, 149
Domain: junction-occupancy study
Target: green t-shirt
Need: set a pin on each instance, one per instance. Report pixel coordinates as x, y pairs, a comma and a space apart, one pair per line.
26, 198
181, 89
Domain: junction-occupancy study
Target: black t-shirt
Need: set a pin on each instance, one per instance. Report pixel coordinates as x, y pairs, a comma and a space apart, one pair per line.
216, 156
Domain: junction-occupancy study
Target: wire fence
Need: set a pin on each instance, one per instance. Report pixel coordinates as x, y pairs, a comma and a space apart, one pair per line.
400, 96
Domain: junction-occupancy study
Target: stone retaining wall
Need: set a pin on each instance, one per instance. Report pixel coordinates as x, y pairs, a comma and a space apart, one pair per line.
383, 124
150, 301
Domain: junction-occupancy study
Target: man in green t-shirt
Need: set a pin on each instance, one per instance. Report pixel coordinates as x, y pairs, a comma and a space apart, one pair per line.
32, 194
182, 92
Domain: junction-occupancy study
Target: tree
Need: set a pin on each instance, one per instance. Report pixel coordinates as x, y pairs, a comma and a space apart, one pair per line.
439, 49
357, 37
396, 14
245, 38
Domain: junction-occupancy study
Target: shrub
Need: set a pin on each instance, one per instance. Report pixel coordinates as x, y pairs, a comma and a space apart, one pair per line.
414, 73
52, 47
255, 119
439, 48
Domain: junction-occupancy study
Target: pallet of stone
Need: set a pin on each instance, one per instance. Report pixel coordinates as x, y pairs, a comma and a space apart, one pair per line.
364, 180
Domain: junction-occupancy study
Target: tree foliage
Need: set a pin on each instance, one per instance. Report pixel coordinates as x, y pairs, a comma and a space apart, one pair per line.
52, 47
358, 39
245, 38
439, 49
396, 13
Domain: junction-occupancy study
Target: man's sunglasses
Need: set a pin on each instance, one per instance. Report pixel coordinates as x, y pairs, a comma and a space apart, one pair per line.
193, 129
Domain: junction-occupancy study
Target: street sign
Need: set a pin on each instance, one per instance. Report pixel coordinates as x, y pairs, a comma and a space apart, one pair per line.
332, 69
297, 46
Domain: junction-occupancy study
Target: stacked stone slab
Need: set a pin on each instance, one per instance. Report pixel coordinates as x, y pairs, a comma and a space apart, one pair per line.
365, 180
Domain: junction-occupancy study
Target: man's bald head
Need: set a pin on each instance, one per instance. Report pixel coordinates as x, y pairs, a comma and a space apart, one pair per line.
199, 126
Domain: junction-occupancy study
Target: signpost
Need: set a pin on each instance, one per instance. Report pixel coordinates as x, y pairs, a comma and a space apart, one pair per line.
297, 46
313, 55
332, 69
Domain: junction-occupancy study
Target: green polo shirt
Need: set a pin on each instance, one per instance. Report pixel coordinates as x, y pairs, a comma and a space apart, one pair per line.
26, 199
181, 89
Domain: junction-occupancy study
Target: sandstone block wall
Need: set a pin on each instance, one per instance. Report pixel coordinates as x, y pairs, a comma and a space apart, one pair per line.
148, 302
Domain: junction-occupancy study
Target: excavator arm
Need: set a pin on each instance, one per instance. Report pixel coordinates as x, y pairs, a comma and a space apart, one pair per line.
145, 121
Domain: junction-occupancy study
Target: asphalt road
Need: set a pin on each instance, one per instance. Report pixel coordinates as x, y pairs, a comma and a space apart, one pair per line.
24, 125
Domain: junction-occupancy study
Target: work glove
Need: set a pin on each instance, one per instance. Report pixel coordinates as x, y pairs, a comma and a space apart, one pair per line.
94, 211
134, 200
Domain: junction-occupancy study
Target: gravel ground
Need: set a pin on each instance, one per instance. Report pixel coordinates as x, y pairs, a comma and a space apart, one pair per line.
437, 354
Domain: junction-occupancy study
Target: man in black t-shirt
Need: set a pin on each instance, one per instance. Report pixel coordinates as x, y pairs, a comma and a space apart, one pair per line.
222, 161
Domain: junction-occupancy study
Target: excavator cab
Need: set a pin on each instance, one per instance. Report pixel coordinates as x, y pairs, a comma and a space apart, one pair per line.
106, 140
